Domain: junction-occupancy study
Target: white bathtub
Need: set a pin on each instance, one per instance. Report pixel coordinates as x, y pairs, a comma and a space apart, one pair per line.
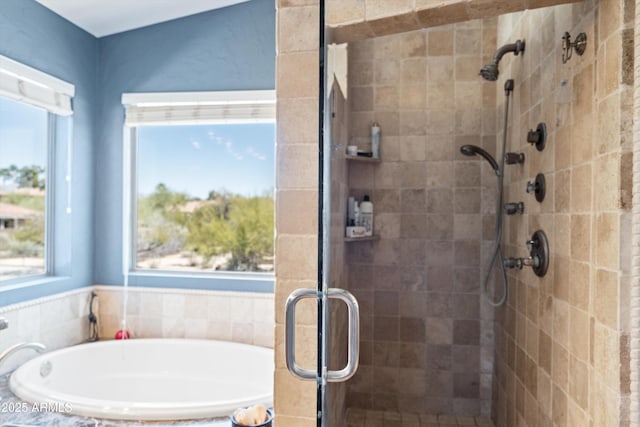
149, 379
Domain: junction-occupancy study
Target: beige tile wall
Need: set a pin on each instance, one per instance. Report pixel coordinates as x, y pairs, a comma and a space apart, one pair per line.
634, 282
296, 200
61, 320
184, 313
57, 321
353, 20
297, 184
562, 340
427, 344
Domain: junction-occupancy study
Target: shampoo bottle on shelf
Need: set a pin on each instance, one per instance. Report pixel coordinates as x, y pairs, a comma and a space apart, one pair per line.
366, 215
351, 212
375, 140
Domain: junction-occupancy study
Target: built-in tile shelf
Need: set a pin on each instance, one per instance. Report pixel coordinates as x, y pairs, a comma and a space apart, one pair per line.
363, 159
361, 239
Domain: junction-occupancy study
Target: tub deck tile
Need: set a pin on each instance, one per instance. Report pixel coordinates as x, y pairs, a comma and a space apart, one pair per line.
15, 411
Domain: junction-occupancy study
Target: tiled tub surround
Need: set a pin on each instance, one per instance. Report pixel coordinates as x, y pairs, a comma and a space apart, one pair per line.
427, 333
61, 320
56, 321
242, 317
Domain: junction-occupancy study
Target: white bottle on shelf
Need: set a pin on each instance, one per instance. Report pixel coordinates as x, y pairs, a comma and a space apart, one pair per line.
375, 140
366, 215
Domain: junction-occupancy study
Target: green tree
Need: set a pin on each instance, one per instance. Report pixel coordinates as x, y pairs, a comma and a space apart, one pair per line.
243, 228
31, 231
8, 173
28, 239
24, 177
160, 221
164, 200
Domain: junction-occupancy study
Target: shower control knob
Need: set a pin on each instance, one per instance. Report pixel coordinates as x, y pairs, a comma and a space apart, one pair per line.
513, 158
533, 136
531, 244
538, 137
514, 208
538, 187
538, 259
4, 323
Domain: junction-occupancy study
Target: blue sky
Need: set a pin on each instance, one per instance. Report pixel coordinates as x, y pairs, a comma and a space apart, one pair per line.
23, 135
197, 159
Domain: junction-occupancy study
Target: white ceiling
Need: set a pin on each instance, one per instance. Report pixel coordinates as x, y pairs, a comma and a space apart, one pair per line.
105, 17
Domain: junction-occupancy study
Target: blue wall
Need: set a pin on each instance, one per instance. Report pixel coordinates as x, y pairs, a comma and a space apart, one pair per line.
35, 36
225, 49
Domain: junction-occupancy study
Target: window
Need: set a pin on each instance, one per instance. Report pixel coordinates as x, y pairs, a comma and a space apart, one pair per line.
202, 182
29, 103
23, 187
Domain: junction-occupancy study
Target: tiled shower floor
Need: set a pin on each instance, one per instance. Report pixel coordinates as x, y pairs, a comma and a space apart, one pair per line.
364, 418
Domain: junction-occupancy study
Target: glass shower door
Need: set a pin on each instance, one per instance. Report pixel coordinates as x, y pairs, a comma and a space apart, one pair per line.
337, 329
337, 346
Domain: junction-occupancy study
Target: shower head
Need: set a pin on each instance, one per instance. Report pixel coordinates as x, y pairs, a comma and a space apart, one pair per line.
472, 150
490, 71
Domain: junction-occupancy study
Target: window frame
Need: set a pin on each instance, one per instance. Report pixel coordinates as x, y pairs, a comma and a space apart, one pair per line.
218, 280
49, 214
22, 83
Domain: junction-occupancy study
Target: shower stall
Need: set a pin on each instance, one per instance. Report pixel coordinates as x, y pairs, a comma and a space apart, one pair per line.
457, 196
427, 331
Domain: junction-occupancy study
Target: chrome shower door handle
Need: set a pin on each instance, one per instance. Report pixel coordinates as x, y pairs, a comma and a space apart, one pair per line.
354, 335
290, 333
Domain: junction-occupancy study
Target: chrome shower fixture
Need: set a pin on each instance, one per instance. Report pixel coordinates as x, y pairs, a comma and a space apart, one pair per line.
579, 45
472, 150
490, 71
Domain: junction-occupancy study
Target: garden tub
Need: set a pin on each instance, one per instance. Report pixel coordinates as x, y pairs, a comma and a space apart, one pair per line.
148, 379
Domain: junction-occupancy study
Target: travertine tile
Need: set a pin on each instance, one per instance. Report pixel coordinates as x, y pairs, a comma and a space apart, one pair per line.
297, 169
297, 75
296, 201
606, 298
384, 8
344, 11
305, 38
581, 189
562, 301
581, 237
608, 240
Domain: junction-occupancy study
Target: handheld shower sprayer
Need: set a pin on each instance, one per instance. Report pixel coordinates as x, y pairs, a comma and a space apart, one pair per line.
497, 259
490, 71
472, 150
